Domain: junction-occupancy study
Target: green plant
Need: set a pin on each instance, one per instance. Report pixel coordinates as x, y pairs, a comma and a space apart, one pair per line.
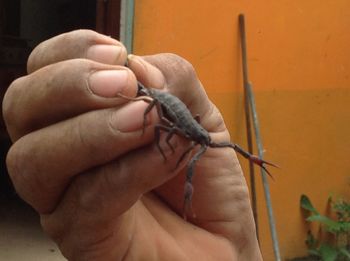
333, 243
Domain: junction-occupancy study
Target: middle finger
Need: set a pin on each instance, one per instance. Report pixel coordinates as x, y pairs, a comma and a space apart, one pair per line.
63, 90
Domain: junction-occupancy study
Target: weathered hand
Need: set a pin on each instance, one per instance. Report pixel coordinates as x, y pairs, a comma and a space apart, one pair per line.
102, 188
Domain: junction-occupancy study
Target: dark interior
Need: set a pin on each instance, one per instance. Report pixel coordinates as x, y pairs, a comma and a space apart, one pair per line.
23, 25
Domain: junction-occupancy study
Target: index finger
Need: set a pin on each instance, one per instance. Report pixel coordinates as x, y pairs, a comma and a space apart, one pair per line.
176, 75
77, 44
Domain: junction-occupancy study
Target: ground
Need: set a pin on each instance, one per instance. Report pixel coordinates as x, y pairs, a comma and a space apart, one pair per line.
21, 236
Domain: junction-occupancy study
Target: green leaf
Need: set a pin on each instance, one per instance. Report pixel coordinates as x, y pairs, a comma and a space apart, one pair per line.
344, 225
328, 253
342, 208
345, 252
305, 203
314, 252
330, 224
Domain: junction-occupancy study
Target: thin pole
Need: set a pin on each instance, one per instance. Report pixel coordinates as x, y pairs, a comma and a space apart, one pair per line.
260, 147
127, 23
249, 130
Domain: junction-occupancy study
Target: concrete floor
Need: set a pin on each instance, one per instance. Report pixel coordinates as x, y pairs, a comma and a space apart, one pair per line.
21, 237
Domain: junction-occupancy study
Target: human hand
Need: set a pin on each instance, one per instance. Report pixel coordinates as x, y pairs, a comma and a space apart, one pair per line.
101, 187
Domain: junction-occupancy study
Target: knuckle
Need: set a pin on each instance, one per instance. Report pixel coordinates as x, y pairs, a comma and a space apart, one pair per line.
8, 104
34, 58
11, 163
86, 33
181, 66
60, 81
70, 45
66, 78
79, 41
41, 56
15, 168
25, 175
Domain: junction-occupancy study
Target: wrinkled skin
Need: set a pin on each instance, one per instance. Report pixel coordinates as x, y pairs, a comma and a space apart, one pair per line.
101, 187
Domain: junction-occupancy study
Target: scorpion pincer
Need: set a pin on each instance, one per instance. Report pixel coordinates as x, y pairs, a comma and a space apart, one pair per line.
177, 119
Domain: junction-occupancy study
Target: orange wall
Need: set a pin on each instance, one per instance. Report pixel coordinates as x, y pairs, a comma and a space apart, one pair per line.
299, 62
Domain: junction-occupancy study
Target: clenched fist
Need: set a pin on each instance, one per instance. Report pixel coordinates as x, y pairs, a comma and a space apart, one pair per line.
80, 158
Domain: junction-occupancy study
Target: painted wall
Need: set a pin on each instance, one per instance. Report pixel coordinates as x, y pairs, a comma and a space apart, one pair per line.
299, 61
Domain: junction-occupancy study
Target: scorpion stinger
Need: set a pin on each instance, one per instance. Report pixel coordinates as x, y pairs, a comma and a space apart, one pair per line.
256, 160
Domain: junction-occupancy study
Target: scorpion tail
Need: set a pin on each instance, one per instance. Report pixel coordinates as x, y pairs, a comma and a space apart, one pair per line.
188, 185
187, 207
256, 160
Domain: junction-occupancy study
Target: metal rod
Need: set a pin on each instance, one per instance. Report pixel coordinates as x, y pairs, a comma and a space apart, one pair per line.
127, 23
249, 129
260, 149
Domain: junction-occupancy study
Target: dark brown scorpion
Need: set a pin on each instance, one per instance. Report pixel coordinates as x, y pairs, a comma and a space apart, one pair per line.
177, 119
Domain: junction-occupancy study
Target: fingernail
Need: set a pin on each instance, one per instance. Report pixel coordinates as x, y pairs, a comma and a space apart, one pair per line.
108, 83
130, 117
109, 54
150, 74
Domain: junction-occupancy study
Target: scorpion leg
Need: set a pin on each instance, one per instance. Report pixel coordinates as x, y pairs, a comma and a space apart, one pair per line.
169, 136
157, 130
149, 100
141, 89
171, 131
188, 150
143, 98
174, 130
153, 103
256, 160
188, 190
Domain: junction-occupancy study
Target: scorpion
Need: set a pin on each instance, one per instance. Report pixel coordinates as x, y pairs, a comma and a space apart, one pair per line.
177, 119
